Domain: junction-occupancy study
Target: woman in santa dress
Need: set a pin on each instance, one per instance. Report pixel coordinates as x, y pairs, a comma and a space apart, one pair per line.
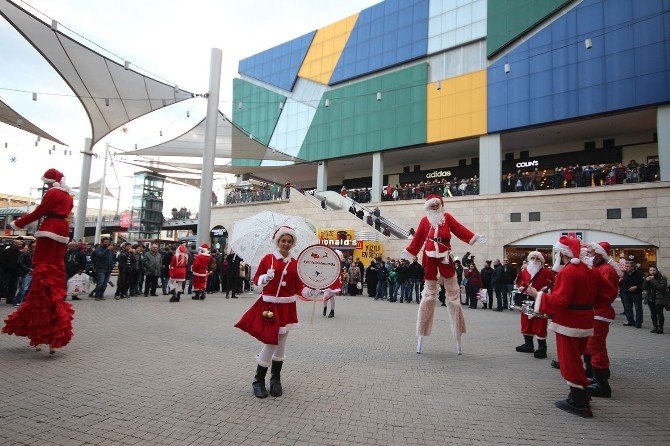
332, 291
44, 317
277, 274
177, 273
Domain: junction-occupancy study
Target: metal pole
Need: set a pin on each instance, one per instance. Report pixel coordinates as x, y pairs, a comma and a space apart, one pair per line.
80, 219
98, 222
205, 210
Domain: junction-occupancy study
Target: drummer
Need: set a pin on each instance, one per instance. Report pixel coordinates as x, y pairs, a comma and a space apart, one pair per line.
276, 309
538, 276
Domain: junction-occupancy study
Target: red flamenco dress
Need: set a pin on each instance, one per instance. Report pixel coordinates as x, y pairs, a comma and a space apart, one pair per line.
44, 317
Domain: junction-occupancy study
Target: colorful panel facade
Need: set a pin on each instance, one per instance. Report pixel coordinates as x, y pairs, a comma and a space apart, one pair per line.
325, 50
279, 65
509, 19
457, 61
385, 35
452, 23
356, 122
458, 108
553, 76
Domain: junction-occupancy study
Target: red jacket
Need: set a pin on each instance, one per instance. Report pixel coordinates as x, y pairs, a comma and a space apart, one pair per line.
426, 232
578, 289
178, 266
545, 277
604, 311
55, 206
287, 285
200, 263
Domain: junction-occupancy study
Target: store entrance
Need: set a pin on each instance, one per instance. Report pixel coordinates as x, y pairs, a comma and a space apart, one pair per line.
517, 254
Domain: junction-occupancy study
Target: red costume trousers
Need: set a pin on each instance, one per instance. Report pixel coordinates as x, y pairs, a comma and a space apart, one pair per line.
570, 351
432, 265
536, 326
597, 345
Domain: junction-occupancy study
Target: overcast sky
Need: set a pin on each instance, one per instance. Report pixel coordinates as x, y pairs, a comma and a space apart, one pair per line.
170, 38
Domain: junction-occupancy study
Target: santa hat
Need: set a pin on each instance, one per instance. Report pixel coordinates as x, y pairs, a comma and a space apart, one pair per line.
533, 254
602, 248
431, 199
53, 177
570, 247
284, 230
182, 249
204, 249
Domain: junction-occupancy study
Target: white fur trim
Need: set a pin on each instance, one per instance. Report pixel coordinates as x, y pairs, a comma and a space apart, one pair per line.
473, 239
261, 363
52, 236
570, 331
599, 250
538, 302
428, 203
286, 259
571, 384
616, 267
288, 327
278, 358
563, 249
198, 274
14, 227
405, 254
539, 338
283, 230
604, 319
575, 261
48, 180
278, 299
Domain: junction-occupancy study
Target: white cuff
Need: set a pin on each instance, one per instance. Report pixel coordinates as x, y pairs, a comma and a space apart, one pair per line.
405, 254
14, 227
538, 302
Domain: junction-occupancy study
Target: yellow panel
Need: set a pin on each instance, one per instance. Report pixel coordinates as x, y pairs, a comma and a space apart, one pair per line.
458, 109
325, 50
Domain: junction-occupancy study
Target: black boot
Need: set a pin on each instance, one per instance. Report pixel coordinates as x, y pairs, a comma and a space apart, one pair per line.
555, 364
203, 295
527, 346
541, 351
324, 311
601, 388
332, 313
179, 293
259, 382
588, 369
196, 295
577, 403
275, 379
174, 296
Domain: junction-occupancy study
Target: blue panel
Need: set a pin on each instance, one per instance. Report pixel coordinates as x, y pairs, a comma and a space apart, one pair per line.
388, 35
279, 65
627, 66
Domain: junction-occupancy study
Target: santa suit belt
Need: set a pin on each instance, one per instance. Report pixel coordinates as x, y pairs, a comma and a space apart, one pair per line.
438, 254
443, 240
56, 216
580, 307
278, 299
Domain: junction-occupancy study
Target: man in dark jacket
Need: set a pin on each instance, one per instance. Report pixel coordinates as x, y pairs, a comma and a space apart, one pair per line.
103, 264
127, 271
498, 283
152, 262
508, 279
382, 279
371, 279
630, 288
486, 274
403, 281
75, 262
415, 278
166, 258
233, 281
9, 270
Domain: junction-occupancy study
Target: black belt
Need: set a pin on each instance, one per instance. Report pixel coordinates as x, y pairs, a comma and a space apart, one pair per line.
580, 307
56, 216
440, 239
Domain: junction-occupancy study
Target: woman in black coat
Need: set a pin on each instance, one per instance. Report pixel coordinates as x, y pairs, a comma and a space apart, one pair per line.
371, 279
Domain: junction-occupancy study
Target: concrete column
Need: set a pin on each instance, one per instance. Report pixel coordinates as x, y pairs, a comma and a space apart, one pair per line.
490, 164
377, 176
80, 218
663, 134
322, 176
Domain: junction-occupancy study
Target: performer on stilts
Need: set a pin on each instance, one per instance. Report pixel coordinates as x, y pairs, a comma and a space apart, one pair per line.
44, 317
433, 234
274, 313
596, 359
577, 290
538, 276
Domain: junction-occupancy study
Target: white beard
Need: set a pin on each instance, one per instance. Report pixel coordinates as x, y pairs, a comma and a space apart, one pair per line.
533, 268
589, 261
435, 217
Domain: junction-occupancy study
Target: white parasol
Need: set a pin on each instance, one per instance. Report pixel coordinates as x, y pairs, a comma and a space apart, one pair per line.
252, 236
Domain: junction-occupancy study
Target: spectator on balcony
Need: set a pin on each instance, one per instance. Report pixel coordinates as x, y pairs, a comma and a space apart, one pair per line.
369, 220
386, 231
352, 209
344, 191
360, 214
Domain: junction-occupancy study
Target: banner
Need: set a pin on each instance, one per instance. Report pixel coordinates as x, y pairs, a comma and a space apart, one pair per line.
337, 238
368, 251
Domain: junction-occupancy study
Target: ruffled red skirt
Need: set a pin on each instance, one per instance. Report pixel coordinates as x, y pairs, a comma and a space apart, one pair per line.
44, 317
267, 331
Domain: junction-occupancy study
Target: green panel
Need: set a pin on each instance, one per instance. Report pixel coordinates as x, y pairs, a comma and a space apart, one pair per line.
509, 19
355, 122
258, 114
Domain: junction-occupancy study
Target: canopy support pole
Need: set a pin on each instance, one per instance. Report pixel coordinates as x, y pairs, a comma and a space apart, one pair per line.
80, 218
98, 221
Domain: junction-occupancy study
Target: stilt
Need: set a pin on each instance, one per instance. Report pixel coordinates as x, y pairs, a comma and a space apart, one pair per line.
458, 347
419, 344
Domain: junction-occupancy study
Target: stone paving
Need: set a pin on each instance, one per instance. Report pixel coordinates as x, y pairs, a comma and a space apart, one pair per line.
143, 371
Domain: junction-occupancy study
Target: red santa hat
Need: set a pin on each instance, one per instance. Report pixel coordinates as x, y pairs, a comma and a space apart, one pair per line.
432, 199
53, 177
284, 230
182, 249
204, 249
570, 247
602, 248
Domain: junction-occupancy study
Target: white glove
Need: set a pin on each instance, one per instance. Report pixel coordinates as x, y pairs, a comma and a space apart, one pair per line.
270, 273
263, 280
406, 255
327, 294
309, 293
481, 239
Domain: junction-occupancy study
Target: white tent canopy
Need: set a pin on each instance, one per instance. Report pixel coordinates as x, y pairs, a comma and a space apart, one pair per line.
112, 93
231, 142
11, 117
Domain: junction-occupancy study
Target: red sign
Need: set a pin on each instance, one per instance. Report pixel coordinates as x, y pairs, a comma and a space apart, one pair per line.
125, 219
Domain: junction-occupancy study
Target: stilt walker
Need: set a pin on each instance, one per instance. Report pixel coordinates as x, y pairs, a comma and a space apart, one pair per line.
433, 235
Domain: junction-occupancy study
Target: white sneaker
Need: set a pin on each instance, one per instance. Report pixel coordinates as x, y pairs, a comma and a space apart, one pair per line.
17, 305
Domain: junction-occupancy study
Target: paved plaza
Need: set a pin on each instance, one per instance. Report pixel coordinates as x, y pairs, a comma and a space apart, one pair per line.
147, 372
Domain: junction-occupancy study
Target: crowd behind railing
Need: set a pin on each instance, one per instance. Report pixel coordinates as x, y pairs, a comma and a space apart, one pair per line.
581, 176
413, 191
253, 195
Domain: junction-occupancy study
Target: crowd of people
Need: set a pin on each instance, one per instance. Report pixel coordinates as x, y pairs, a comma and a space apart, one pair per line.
581, 176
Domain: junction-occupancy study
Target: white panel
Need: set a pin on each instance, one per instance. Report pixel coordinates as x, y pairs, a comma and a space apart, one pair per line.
462, 60
456, 21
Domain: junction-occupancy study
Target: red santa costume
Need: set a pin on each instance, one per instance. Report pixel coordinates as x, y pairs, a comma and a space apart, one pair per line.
596, 356
45, 317
433, 234
571, 302
199, 270
274, 313
177, 272
332, 291
538, 276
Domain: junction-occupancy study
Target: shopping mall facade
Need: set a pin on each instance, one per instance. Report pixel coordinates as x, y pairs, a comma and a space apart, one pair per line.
424, 91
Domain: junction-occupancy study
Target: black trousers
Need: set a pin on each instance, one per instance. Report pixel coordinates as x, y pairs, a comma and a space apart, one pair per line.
232, 284
150, 285
657, 316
